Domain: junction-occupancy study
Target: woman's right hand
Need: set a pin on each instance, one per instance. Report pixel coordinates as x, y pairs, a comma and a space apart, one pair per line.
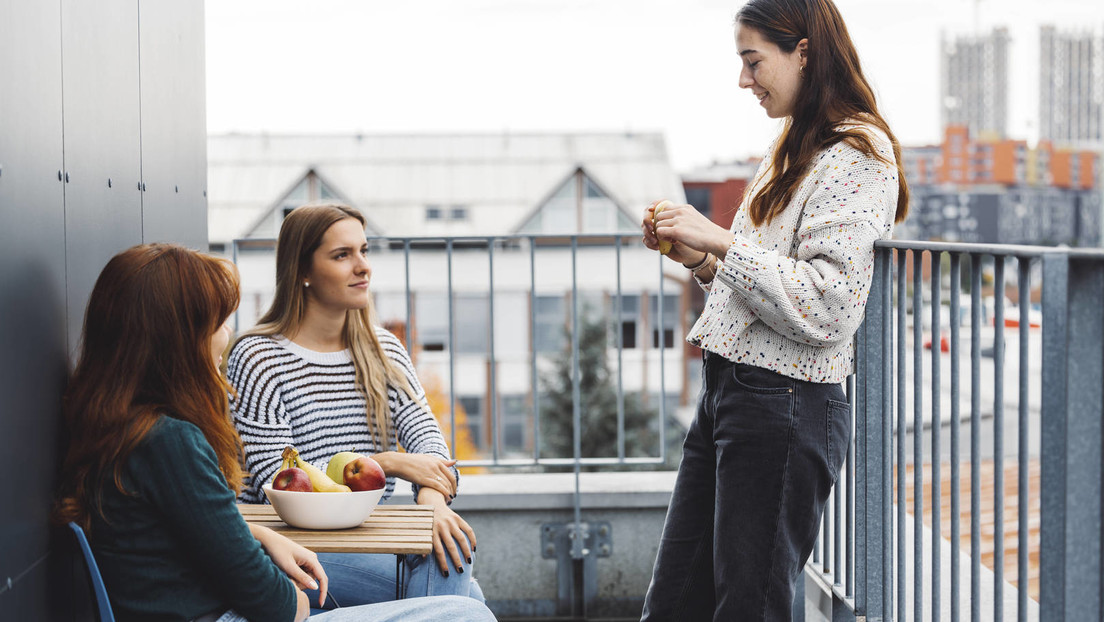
679, 251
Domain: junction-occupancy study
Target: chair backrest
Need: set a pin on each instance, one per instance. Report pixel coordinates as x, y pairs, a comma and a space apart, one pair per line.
94, 578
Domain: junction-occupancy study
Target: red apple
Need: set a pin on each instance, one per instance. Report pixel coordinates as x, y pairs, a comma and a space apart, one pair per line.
293, 478
364, 473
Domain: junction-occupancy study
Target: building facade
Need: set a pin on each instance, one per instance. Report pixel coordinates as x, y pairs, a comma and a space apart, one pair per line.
974, 76
1071, 87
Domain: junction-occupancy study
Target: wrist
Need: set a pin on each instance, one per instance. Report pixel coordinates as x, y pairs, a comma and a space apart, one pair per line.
697, 264
386, 462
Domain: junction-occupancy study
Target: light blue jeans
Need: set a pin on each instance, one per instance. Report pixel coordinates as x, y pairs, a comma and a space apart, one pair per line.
363, 579
429, 609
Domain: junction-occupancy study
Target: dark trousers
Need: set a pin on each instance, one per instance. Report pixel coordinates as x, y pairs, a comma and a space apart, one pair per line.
758, 463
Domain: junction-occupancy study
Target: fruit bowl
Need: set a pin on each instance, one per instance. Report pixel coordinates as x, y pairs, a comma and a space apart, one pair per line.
323, 510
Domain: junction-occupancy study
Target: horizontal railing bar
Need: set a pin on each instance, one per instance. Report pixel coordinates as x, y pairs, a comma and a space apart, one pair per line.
1010, 250
521, 462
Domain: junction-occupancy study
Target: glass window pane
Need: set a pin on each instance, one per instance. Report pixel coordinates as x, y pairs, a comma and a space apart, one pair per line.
431, 320
472, 323
550, 316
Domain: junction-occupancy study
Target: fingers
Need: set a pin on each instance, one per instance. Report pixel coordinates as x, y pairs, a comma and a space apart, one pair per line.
315, 568
450, 544
439, 553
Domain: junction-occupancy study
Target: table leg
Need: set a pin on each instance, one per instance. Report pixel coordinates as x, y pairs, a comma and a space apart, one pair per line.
400, 576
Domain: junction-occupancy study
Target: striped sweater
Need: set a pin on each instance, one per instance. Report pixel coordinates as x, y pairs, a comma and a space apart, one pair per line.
790, 294
289, 395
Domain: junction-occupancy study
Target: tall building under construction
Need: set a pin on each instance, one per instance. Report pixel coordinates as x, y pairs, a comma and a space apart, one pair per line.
1071, 87
975, 82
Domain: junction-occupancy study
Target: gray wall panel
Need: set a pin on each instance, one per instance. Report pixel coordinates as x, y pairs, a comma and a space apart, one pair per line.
32, 283
102, 141
174, 148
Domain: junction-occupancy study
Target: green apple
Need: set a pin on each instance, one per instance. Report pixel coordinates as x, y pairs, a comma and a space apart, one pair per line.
336, 467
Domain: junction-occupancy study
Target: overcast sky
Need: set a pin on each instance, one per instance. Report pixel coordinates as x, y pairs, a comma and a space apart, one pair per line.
573, 65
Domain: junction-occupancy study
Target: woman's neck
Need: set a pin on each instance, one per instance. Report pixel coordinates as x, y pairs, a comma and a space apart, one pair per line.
322, 330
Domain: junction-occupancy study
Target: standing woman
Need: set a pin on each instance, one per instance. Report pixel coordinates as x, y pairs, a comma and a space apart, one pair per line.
319, 374
787, 287
152, 469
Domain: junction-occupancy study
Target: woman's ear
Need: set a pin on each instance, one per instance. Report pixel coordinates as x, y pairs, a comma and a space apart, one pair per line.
802, 49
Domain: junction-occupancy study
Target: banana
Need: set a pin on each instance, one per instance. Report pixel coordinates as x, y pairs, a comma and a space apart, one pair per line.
335, 469
664, 246
319, 480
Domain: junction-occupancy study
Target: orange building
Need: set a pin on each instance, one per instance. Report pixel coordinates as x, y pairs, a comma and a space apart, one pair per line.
992, 160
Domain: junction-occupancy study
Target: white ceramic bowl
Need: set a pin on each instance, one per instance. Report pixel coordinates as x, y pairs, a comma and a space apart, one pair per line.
323, 510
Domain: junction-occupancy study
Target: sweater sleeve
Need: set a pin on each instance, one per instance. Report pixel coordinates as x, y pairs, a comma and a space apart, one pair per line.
259, 413
177, 470
415, 425
818, 296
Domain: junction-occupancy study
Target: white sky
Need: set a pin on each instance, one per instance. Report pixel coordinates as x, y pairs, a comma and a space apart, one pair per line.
342, 66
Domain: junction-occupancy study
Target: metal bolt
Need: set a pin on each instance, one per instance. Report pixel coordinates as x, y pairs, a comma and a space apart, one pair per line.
586, 552
603, 530
108, 182
605, 550
550, 550
571, 535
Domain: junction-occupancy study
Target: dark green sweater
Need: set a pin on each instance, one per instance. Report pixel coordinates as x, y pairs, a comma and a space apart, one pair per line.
177, 547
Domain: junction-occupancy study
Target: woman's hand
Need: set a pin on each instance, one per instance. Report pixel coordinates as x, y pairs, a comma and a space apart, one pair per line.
299, 564
690, 233
425, 470
448, 531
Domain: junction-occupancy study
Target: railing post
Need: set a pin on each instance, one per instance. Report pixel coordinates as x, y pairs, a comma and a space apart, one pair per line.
1073, 366
870, 500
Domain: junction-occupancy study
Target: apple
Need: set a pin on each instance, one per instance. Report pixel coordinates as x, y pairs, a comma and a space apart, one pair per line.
335, 468
364, 473
294, 478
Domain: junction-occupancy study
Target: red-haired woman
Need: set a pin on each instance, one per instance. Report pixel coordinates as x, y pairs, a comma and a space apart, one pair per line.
787, 286
153, 465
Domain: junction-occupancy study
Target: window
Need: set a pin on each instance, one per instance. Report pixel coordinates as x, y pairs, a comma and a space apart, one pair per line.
473, 409
473, 316
549, 318
433, 212
513, 412
670, 313
431, 321
628, 322
458, 212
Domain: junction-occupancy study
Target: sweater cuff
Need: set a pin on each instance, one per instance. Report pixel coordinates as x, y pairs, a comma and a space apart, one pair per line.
742, 264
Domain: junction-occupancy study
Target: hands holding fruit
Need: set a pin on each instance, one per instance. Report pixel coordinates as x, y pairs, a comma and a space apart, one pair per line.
683, 233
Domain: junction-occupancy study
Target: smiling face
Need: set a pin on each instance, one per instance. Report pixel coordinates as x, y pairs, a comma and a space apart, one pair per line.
773, 75
339, 273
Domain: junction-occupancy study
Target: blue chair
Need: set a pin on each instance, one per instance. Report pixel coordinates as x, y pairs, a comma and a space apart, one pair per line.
94, 578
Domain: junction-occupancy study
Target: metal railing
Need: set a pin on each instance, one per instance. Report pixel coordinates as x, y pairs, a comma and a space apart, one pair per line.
1065, 362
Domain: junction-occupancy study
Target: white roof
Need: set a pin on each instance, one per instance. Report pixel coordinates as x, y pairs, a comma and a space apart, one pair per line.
500, 178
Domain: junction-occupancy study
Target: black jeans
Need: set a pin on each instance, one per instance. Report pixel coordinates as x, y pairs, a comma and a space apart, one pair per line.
758, 463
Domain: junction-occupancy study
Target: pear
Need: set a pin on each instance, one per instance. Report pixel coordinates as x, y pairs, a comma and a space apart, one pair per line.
336, 467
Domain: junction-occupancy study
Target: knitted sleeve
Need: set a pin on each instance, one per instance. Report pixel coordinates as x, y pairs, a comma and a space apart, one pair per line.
415, 425
818, 296
258, 408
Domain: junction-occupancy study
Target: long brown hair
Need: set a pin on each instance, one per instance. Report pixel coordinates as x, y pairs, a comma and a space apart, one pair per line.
834, 94
300, 235
146, 352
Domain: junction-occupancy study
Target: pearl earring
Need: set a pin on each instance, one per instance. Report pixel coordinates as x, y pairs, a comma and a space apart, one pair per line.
306, 283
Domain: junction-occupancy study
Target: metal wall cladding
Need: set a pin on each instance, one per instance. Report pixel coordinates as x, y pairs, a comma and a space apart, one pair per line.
102, 141
174, 136
32, 290
77, 133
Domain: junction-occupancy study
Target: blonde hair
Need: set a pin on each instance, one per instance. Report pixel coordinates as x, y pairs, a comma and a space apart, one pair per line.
300, 235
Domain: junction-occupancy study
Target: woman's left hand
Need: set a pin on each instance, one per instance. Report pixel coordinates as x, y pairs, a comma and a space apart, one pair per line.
299, 564
682, 224
449, 530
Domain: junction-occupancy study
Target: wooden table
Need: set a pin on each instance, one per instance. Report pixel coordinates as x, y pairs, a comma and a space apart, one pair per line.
396, 529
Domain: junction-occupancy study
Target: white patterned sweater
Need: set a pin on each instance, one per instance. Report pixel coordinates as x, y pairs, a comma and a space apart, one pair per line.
789, 295
289, 395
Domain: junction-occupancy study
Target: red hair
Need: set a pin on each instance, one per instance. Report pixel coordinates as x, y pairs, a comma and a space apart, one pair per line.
146, 352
